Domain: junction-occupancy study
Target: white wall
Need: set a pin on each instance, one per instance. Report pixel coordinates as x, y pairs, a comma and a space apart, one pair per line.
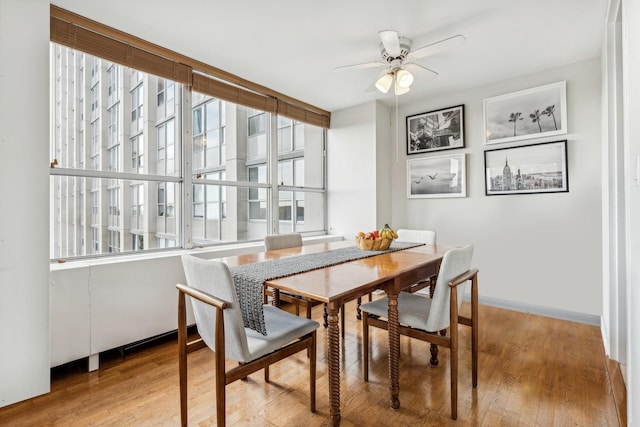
358, 172
24, 186
537, 250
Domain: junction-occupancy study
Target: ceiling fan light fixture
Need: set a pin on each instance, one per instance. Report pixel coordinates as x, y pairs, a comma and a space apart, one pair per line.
404, 79
383, 84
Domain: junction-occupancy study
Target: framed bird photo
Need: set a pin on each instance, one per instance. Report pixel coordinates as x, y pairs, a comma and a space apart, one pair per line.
436, 130
532, 113
437, 177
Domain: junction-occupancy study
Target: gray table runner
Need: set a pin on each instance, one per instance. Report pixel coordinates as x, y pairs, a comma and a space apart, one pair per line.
249, 279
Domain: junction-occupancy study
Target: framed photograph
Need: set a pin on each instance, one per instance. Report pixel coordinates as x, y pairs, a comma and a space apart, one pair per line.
436, 130
531, 113
535, 168
435, 177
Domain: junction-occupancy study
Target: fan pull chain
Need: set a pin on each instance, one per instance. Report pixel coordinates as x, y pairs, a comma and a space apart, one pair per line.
397, 131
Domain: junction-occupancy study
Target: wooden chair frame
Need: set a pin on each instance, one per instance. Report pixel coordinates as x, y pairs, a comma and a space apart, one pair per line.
450, 342
224, 377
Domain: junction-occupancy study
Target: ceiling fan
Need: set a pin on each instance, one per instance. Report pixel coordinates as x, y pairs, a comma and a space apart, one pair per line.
398, 60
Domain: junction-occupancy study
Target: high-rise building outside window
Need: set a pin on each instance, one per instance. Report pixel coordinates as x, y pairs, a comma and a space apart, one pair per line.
132, 147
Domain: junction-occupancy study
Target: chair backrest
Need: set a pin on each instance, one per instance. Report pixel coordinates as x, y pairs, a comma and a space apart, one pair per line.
214, 278
428, 237
282, 241
454, 263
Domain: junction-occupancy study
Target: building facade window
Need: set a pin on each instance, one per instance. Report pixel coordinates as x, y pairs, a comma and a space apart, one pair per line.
137, 154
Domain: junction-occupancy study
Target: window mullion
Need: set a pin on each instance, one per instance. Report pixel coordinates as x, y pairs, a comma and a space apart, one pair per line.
187, 168
273, 216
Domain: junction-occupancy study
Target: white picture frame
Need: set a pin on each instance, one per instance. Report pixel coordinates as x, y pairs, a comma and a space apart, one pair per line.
532, 113
437, 177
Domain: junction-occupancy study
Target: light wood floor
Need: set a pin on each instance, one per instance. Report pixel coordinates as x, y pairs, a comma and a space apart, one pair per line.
533, 371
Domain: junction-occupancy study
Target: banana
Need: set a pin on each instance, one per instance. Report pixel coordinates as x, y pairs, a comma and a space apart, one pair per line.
388, 233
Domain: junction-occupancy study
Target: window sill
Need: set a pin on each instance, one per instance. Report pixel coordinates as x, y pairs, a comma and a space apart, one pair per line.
207, 252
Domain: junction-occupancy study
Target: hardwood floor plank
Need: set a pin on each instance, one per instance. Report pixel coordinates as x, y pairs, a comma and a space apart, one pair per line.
533, 371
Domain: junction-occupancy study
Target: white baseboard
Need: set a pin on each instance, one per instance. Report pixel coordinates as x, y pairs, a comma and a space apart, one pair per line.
589, 319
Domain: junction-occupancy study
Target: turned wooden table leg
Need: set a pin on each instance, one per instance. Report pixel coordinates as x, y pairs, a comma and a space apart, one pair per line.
333, 361
394, 350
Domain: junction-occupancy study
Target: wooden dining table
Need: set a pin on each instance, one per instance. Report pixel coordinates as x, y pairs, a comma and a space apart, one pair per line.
338, 284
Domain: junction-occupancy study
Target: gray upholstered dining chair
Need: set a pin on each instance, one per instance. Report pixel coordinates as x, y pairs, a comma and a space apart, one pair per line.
220, 326
274, 242
428, 237
422, 317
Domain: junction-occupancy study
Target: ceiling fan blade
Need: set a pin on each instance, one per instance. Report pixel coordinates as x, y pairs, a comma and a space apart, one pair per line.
437, 47
390, 41
425, 73
360, 66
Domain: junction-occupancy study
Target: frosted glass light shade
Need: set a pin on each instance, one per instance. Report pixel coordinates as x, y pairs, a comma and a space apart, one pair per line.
399, 90
404, 78
383, 84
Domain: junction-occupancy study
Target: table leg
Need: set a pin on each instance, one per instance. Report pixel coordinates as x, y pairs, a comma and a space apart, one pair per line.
394, 350
333, 361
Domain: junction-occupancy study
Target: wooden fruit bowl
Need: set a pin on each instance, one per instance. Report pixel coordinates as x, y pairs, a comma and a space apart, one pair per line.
373, 245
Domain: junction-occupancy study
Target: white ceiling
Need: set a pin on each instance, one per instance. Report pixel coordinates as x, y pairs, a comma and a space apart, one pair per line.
292, 46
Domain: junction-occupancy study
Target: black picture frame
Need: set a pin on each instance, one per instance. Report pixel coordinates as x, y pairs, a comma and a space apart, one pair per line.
527, 169
436, 130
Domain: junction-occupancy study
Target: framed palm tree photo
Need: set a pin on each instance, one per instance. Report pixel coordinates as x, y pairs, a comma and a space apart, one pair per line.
532, 113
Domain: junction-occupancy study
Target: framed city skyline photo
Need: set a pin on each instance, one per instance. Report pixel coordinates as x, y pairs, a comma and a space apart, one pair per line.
436, 130
535, 168
530, 113
437, 177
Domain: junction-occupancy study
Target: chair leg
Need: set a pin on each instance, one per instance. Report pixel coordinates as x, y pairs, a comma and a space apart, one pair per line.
365, 348
474, 331
312, 374
359, 312
325, 317
221, 397
454, 380
266, 374
434, 355
308, 306
182, 358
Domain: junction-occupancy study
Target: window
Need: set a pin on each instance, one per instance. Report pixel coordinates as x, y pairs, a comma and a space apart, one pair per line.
165, 98
137, 154
208, 135
257, 134
114, 241
258, 196
120, 180
112, 89
136, 106
137, 207
166, 148
114, 134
